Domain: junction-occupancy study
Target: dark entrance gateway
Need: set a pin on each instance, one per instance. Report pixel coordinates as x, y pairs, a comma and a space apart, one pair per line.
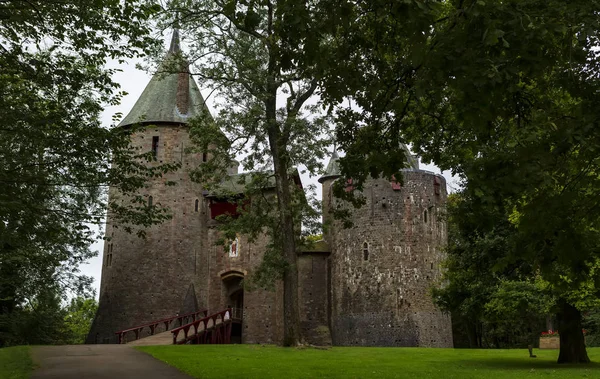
233, 292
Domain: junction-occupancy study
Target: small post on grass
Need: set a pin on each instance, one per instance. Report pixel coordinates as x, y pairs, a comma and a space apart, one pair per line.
531, 355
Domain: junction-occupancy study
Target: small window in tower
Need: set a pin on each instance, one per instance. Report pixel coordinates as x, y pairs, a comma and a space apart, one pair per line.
366, 251
196, 206
150, 201
425, 216
154, 146
204, 156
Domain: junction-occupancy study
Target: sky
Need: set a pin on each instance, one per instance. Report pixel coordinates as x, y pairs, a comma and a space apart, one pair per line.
133, 81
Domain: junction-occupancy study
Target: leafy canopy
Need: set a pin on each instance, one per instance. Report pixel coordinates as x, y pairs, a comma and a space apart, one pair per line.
54, 153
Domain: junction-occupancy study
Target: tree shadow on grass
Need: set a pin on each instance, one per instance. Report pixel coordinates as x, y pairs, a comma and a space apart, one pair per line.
524, 364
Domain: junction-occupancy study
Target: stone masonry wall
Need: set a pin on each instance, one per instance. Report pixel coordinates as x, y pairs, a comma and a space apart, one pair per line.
381, 297
382, 300
313, 298
263, 309
148, 279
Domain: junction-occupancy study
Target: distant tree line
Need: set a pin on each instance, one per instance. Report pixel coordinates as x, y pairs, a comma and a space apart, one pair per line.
47, 321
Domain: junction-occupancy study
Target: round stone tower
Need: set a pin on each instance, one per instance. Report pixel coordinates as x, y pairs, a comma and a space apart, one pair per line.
384, 266
157, 277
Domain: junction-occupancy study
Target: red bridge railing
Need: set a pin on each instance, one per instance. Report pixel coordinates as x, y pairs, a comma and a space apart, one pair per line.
213, 329
153, 326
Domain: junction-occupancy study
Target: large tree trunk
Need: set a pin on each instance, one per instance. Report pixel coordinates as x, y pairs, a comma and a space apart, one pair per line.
572, 343
291, 319
471, 329
291, 312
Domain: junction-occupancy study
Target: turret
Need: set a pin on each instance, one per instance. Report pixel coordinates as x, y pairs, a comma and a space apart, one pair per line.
162, 275
170, 97
332, 172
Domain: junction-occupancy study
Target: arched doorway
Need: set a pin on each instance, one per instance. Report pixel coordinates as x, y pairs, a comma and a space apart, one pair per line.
233, 293
236, 300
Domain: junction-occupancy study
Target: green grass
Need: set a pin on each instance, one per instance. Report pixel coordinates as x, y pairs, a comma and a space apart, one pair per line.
256, 361
15, 362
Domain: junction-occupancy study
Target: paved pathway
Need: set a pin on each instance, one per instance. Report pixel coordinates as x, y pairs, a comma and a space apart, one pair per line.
166, 338
98, 362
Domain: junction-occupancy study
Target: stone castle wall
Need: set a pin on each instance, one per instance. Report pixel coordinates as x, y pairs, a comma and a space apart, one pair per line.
382, 300
179, 267
313, 298
380, 297
263, 309
146, 280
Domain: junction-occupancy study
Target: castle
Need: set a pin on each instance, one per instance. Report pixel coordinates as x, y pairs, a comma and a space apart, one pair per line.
363, 286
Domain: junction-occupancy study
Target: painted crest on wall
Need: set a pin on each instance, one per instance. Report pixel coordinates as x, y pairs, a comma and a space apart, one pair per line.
234, 247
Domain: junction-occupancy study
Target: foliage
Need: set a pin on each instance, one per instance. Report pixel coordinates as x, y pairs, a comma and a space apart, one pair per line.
79, 317
217, 361
44, 320
314, 238
516, 312
15, 362
260, 59
491, 305
54, 153
591, 323
505, 94
40, 321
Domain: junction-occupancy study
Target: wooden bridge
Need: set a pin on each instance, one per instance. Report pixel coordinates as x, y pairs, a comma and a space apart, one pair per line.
192, 328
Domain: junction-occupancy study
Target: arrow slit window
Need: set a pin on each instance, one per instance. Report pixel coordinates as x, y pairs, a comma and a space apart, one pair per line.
155, 146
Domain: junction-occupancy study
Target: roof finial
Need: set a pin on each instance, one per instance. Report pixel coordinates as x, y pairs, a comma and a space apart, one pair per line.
175, 45
334, 155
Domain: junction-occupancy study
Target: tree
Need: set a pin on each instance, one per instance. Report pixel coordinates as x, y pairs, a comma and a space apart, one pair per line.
54, 153
259, 58
505, 94
492, 304
39, 321
79, 318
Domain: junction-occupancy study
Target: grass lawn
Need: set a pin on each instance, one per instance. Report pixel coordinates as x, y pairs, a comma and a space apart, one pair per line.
257, 361
15, 362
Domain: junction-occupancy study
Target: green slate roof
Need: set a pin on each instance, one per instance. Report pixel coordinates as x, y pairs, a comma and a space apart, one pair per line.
333, 168
236, 184
411, 160
159, 101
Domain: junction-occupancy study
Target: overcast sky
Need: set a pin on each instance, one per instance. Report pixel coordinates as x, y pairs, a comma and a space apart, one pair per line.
133, 81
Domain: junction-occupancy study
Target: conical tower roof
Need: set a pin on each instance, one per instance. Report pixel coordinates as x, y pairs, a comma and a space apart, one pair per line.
412, 162
333, 168
169, 97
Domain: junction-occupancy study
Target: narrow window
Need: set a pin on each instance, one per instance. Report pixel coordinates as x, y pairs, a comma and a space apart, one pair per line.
154, 146
365, 251
425, 216
204, 157
196, 206
150, 201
